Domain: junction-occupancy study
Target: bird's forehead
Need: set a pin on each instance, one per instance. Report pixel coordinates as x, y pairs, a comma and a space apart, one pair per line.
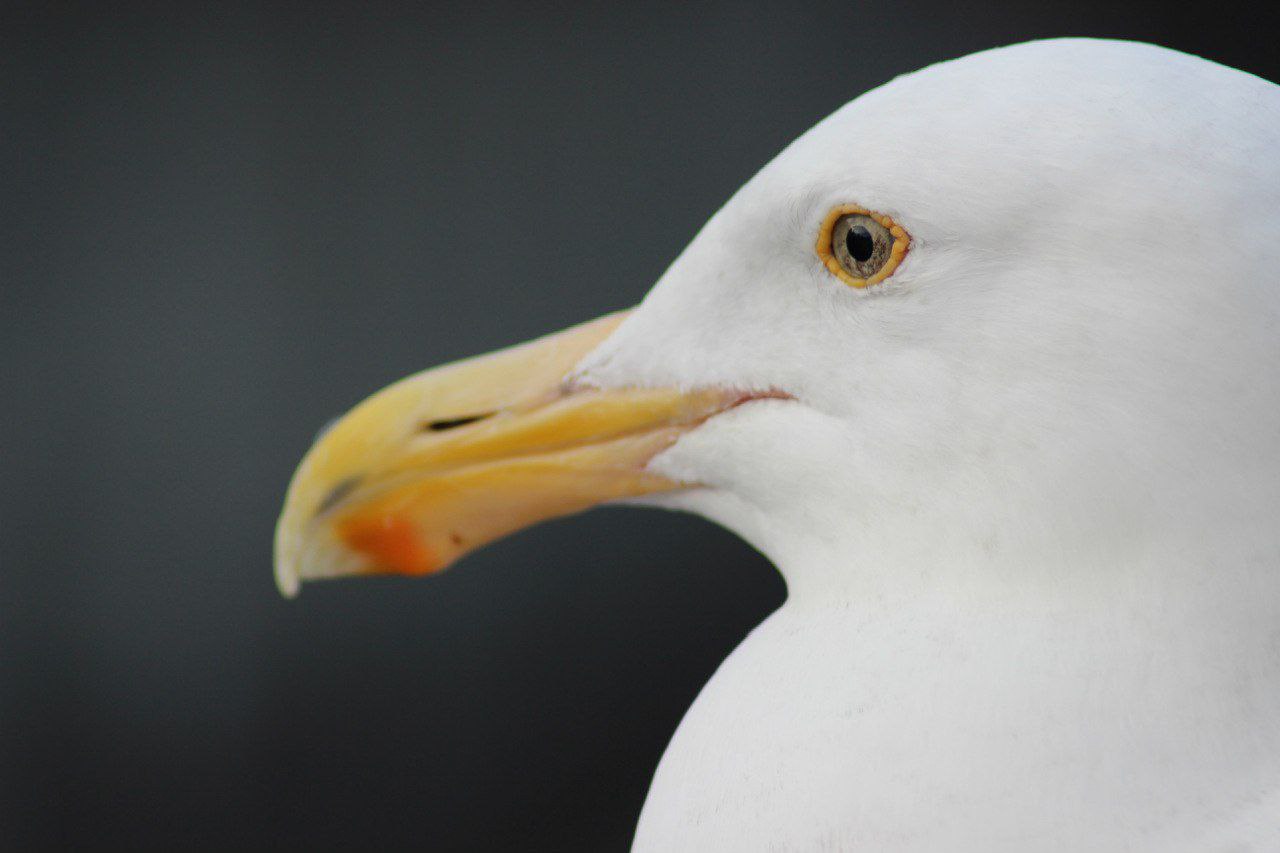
995, 130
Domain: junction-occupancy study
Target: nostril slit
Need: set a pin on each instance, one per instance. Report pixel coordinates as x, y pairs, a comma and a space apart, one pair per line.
337, 493
452, 423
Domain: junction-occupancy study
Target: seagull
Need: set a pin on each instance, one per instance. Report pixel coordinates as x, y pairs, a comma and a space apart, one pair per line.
987, 363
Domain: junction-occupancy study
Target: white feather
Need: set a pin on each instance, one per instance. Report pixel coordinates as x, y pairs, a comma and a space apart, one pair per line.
1026, 497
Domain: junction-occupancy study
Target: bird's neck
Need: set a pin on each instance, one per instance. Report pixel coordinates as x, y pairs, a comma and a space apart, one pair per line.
1153, 675
1127, 701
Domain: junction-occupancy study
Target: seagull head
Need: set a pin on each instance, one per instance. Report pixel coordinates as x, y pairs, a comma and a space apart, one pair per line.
1020, 300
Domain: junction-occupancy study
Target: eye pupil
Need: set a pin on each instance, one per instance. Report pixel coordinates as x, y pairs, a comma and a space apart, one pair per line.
860, 243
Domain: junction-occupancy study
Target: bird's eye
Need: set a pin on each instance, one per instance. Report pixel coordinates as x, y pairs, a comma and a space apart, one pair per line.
861, 247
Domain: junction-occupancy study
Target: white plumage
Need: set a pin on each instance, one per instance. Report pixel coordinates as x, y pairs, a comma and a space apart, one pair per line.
1026, 497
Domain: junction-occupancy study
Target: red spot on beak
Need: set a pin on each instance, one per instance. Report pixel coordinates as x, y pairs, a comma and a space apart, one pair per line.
392, 544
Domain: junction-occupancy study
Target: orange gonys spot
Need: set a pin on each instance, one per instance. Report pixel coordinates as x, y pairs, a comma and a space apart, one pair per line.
392, 543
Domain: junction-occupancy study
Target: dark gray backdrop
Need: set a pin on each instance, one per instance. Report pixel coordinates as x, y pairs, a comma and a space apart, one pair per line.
221, 227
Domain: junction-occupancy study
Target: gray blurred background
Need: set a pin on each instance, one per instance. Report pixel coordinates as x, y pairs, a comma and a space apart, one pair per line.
220, 227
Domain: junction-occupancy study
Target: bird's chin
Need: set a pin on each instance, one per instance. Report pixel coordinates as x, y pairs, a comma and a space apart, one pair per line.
721, 459
753, 474
725, 448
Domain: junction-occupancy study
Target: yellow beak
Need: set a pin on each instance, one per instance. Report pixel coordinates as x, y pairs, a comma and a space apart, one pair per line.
447, 460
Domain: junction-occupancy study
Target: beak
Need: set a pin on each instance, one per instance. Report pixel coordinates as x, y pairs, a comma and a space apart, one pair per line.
445, 461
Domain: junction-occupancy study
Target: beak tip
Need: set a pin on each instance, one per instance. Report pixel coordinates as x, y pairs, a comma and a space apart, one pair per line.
308, 553
287, 581
286, 558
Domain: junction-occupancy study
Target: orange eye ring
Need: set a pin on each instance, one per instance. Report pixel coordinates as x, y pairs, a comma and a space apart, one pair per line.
829, 254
